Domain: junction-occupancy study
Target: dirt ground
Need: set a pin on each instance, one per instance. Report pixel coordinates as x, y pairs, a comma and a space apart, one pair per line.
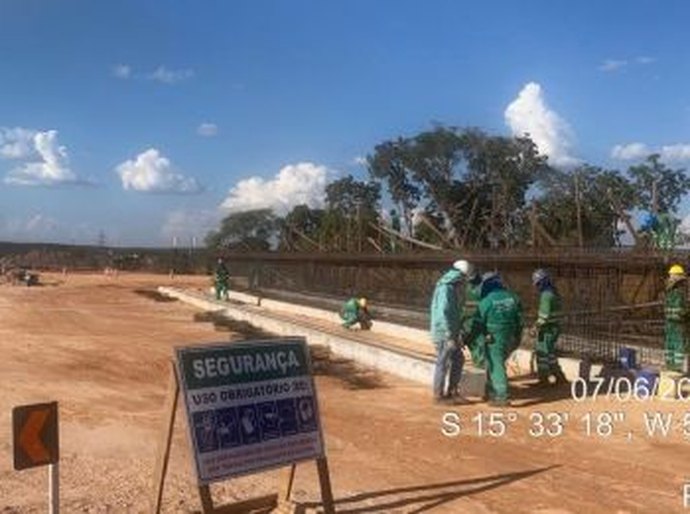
101, 349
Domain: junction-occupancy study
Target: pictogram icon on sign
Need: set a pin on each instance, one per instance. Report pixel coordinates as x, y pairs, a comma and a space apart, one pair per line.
35, 435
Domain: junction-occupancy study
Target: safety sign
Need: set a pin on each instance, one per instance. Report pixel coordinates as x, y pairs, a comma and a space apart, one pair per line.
251, 406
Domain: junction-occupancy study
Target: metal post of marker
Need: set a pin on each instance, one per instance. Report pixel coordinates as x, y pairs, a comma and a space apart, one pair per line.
54, 488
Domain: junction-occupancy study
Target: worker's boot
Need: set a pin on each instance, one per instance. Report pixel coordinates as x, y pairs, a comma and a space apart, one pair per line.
561, 379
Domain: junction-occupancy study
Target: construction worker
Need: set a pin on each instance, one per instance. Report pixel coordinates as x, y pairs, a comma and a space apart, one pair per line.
476, 346
547, 328
356, 311
446, 321
662, 230
677, 318
499, 318
221, 279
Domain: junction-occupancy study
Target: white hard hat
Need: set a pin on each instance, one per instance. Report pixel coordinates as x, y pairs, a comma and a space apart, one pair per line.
462, 265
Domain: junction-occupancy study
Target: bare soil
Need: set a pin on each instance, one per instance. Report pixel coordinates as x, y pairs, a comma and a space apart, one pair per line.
101, 345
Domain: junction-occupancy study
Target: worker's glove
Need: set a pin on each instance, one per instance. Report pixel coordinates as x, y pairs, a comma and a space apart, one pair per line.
448, 346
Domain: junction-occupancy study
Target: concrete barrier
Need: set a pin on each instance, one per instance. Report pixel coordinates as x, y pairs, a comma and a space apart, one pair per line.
522, 361
402, 362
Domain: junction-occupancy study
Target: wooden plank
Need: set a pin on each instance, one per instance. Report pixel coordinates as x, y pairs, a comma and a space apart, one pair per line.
206, 499
163, 454
405, 238
373, 243
443, 237
325, 483
288, 482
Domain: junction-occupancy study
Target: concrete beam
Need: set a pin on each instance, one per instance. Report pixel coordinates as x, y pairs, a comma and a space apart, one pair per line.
521, 362
401, 362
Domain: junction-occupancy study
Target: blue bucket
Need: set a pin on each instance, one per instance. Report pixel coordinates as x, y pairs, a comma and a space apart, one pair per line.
645, 382
628, 358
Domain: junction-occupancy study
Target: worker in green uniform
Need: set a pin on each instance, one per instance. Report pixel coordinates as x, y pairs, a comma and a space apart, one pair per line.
499, 318
476, 346
677, 318
355, 311
546, 329
221, 280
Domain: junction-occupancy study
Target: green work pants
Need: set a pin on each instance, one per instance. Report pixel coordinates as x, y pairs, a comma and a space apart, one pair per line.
497, 351
675, 344
547, 361
221, 290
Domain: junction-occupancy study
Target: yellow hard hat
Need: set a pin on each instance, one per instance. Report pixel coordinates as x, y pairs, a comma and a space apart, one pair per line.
676, 269
362, 302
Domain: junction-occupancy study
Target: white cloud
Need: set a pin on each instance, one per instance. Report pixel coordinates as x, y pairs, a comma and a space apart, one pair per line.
151, 172
33, 227
40, 222
187, 224
529, 114
613, 65
643, 59
630, 151
207, 129
679, 152
51, 168
16, 143
122, 71
168, 76
360, 161
295, 184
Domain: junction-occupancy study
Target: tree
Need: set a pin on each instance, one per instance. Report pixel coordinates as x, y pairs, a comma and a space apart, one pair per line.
500, 171
301, 226
583, 206
388, 164
352, 206
658, 189
472, 184
347, 196
246, 230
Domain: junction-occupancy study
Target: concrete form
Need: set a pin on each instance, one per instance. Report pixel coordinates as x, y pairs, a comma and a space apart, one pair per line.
413, 360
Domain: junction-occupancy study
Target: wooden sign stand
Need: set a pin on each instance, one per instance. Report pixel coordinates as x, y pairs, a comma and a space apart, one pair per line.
280, 501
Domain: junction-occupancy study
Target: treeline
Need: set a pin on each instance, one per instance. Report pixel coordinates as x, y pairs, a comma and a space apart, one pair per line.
464, 188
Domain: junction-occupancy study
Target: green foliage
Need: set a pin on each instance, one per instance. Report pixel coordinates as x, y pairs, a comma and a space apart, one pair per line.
351, 197
473, 189
475, 184
388, 164
598, 189
245, 231
653, 176
301, 227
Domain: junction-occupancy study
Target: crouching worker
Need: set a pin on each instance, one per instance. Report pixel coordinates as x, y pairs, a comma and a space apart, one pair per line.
499, 317
446, 322
221, 280
355, 311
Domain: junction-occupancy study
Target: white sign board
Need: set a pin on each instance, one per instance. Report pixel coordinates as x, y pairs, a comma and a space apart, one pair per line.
251, 406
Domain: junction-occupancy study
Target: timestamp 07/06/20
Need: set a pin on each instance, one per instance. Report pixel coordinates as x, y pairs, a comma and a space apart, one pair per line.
624, 389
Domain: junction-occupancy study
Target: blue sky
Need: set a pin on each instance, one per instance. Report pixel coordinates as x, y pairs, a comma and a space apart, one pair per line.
150, 120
